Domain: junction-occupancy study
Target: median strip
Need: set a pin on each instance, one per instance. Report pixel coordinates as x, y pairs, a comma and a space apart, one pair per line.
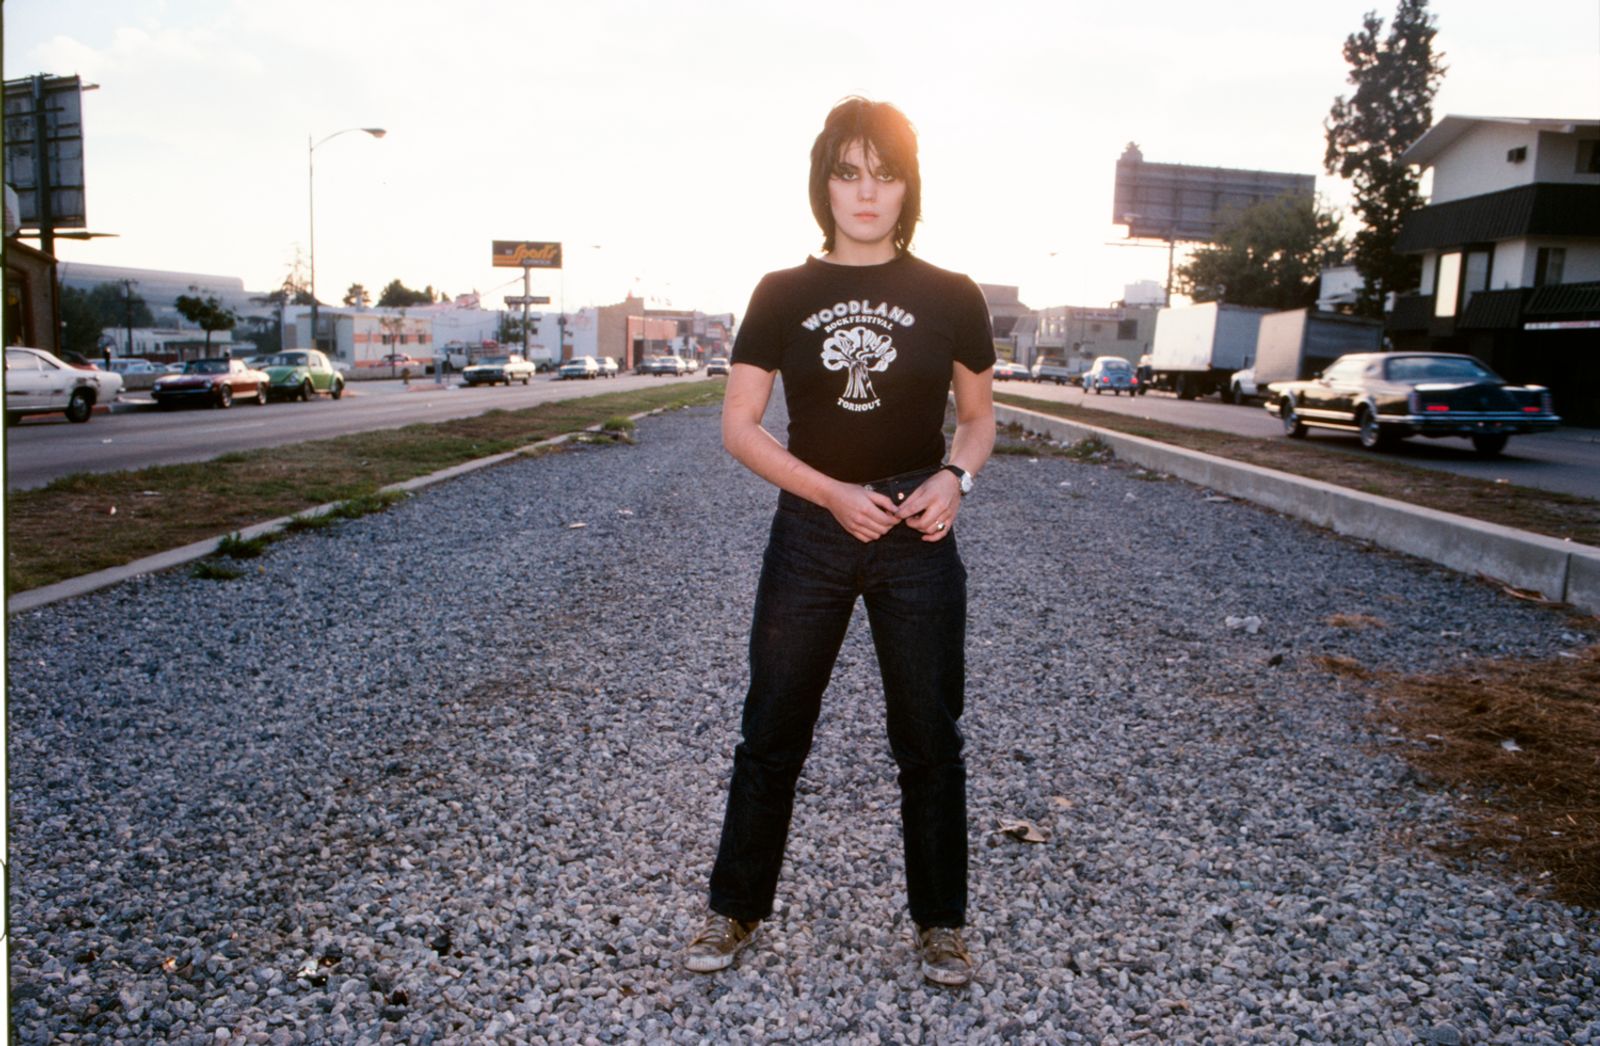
86, 523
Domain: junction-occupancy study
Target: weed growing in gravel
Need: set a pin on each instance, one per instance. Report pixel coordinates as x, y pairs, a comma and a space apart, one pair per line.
366, 504
623, 424
1516, 742
309, 524
235, 547
211, 570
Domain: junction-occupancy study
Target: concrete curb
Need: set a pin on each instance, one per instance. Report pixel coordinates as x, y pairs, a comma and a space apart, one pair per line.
177, 557
1564, 571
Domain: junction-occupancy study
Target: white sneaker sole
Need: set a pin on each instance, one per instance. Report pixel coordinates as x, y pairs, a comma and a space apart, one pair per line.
947, 978
713, 963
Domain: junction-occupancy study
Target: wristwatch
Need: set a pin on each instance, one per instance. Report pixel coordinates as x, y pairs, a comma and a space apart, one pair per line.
963, 475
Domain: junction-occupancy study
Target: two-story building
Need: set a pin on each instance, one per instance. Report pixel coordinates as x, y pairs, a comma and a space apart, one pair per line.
1510, 246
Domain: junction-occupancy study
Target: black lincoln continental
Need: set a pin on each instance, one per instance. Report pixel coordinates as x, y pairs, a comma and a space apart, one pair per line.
1387, 396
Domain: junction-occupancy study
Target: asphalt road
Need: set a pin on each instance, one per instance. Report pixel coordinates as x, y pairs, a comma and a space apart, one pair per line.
43, 448
1567, 460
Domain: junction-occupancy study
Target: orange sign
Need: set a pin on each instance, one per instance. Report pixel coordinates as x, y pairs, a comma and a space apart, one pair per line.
519, 254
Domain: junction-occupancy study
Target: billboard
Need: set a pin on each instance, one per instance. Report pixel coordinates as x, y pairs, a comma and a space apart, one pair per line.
44, 150
526, 254
1169, 201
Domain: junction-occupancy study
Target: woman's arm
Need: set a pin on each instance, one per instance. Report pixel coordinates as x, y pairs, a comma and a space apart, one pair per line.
939, 499
866, 515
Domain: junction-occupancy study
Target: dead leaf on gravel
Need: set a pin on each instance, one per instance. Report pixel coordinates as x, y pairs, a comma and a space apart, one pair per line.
1061, 801
1026, 831
1355, 622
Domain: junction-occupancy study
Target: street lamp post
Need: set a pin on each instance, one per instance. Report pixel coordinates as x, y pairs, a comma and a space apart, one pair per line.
311, 199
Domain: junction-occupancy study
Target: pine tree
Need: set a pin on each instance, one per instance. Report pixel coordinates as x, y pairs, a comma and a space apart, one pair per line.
1395, 78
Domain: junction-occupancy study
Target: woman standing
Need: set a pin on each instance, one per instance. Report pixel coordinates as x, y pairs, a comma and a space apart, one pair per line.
869, 340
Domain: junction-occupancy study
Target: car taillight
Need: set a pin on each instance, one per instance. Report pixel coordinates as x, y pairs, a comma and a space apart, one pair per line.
1532, 410
1437, 408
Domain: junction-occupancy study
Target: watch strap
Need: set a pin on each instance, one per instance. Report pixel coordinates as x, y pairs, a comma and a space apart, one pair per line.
962, 475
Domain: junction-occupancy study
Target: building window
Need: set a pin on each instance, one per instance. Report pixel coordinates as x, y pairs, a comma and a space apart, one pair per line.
1447, 284
1589, 155
1548, 265
1127, 330
1474, 274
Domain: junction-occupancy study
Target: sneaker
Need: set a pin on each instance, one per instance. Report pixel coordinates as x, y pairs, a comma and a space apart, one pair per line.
719, 940
945, 959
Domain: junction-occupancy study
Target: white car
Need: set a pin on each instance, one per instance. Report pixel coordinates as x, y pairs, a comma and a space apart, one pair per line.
38, 382
579, 367
128, 365
1242, 387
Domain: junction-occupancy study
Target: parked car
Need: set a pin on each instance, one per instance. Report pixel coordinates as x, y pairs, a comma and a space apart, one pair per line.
491, 370
300, 374
1051, 370
608, 366
717, 365
1110, 374
40, 382
579, 367
215, 381
1005, 370
659, 365
1243, 388
134, 365
1387, 396
691, 364
400, 359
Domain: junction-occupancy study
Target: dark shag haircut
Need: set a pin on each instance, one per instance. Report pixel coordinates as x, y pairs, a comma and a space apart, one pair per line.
884, 130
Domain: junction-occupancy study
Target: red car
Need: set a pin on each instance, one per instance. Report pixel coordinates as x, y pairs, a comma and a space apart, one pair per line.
217, 382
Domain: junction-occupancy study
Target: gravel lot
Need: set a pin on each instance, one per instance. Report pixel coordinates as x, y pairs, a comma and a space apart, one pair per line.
454, 773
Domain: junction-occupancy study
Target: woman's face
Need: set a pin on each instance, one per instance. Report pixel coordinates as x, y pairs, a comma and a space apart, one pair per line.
864, 196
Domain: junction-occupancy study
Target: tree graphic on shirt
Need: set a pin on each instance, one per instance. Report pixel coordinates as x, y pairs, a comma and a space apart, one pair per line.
860, 350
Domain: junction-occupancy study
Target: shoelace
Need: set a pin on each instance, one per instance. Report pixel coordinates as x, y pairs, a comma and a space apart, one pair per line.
719, 930
945, 942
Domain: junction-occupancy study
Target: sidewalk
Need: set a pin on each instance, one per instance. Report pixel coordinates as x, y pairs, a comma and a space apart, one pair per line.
454, 772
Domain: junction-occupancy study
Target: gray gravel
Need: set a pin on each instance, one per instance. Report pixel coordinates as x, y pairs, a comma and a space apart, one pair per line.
454, 772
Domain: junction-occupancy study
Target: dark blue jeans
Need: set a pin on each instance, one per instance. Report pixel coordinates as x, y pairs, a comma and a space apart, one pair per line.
916, 597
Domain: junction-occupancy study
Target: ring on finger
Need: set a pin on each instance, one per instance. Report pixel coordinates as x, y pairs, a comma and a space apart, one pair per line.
939, 525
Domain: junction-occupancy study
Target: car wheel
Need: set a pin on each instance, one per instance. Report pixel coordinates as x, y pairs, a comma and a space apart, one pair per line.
524, 379
336, 389
306, 390
1293, 427
80, 406
224, 397
1230, 394
261, 395
1488, 446
1373, 435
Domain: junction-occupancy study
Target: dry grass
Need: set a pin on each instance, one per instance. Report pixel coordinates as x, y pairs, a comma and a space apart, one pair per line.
1557, 515
1519, 743
88, 522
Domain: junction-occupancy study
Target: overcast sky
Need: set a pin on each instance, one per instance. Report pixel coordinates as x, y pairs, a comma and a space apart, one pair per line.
665, 143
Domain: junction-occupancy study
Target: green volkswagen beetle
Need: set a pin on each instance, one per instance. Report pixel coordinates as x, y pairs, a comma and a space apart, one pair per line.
300, 374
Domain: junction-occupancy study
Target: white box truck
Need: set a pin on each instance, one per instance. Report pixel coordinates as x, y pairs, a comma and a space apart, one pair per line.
1294, 345
1198, 347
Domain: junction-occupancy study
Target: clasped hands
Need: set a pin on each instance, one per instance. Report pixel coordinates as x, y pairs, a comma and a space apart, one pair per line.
867, 515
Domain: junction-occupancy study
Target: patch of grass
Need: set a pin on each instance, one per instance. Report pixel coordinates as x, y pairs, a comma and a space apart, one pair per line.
618, 424
1563, 516
308, 524
211, 570
235, 547
1515, 742
364, 505
67, 529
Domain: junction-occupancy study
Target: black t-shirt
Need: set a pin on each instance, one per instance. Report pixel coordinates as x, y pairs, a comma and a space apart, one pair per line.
866, 354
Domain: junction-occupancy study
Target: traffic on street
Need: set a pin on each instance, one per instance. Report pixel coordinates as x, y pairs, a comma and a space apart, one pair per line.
43, 448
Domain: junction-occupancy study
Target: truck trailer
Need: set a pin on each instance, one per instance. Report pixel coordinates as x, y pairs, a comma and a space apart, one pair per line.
1198, 347
1295, 345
